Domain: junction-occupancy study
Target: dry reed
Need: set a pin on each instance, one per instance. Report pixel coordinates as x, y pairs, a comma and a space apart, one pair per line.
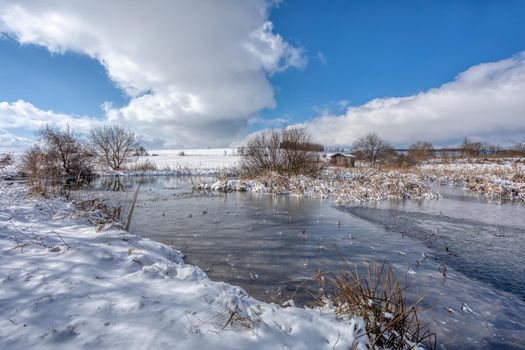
377, 297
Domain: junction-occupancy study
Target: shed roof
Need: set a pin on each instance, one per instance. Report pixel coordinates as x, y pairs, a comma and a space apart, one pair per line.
342, 155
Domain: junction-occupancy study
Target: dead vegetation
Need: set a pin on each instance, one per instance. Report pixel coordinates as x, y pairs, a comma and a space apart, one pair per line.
370, 184
142, 167
59, 156
377, 297
503, 180
97, 212
283, 151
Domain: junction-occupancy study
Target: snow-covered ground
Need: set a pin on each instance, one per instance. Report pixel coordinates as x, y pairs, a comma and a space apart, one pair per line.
66, 285
497, 178
357, 185
494, 178
193, 159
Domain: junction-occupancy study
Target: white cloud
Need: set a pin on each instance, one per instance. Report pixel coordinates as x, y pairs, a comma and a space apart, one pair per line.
196, 70
486, 101
10, 142
23, 115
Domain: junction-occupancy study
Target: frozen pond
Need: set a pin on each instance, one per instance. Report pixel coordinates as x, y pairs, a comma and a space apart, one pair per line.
271, 245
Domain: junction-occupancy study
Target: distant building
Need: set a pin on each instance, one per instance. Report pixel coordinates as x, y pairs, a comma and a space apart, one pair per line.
340, 159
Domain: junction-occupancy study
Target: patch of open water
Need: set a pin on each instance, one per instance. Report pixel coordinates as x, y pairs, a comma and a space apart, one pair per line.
272, 246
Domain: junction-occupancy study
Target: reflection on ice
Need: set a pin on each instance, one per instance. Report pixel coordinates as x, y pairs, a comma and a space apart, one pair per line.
450, 251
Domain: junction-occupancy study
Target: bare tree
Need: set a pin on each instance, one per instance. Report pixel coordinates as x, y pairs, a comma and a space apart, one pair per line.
372, 148
113, 145
420, 150
519, 147
471, 148
68, 150
286, 151
490, 148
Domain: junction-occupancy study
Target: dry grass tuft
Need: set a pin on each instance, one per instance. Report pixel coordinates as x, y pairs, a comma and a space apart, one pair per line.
143, 167
377, 297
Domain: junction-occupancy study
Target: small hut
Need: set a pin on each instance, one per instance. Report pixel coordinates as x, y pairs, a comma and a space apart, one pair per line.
344, 160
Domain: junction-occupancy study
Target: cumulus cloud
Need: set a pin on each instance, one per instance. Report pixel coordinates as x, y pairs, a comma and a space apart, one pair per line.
485, 101
23, 115
10, 142
196, 71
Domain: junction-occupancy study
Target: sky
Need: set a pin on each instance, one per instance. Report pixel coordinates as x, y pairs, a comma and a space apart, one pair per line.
210, 73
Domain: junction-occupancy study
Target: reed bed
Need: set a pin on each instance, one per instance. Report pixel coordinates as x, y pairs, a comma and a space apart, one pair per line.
361, 185
503, 180
496, 180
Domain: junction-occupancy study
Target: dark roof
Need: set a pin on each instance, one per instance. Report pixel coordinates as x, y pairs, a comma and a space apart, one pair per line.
342, 155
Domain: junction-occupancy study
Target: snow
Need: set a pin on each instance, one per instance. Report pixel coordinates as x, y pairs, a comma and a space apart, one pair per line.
193, 159
502, 179
497, 179
65, 284
360, 185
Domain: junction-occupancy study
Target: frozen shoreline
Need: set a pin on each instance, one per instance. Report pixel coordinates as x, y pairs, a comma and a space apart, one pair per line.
65, 285
496, 181
360, 187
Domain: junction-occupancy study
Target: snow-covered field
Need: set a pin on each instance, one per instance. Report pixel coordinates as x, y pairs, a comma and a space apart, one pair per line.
66, 285
193, 159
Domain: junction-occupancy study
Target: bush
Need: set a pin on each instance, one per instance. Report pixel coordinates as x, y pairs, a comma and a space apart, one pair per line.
284, 151
60, 155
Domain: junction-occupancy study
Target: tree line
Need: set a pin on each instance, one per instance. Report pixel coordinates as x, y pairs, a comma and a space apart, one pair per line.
375, 150
290, 151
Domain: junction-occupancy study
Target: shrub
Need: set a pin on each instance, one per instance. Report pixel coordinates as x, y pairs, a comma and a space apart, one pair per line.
60, 155
42, 170
285, 151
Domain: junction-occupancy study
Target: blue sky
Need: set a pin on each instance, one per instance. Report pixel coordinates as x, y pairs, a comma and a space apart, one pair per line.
388, 48
68, 83
329, 55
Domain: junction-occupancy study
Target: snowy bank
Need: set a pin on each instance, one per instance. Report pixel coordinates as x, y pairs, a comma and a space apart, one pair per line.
357, 186
496, 179
66, 285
